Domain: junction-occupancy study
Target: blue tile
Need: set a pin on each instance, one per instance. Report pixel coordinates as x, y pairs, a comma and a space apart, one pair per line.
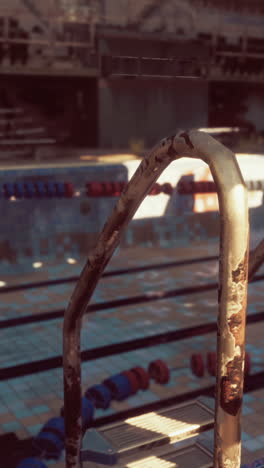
148, 397
40, 409
34, 430
248, 398
246, 410
100, 412
261, 439
245, 436
10, 397
12, 426
253, 445
22, 413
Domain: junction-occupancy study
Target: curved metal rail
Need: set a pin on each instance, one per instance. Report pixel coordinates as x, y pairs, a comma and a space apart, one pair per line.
233, 277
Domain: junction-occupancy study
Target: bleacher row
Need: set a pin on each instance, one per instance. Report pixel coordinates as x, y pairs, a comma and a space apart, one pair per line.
19, 134
24, 41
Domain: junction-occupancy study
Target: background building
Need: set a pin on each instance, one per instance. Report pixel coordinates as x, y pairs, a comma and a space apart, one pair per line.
59, 68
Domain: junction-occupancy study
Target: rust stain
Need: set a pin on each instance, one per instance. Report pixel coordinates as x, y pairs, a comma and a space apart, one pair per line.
240, 273
72, 388
187, 139
171, 151
227, 463
231, 388
236, 321
237, 327
159, 159
73, 431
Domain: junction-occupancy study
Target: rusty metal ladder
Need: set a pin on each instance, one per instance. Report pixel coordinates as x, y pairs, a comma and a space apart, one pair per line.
163, 438
232, 298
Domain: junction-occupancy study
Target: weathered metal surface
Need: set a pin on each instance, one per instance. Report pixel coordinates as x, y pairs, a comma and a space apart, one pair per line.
234, 237
138, 436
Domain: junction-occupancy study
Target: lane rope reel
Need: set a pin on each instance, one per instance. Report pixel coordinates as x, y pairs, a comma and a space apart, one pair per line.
211, 363
87, 412
159, 371
40, 189
9, 190
133, 381
50, 440
94, 189
30, 190
142, 376
197, 365
19, 190
51, 189
69, 189
255, 464
100, 396
119, 386
60, 189
31, 463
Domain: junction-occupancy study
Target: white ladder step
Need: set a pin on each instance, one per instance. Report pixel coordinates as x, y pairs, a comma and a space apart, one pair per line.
113, 443
193, 456
190, 456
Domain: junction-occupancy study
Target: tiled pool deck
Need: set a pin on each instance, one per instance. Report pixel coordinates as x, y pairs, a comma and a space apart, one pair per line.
27, 402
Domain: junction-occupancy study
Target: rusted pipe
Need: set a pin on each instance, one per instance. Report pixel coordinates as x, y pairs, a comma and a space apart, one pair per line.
233, 275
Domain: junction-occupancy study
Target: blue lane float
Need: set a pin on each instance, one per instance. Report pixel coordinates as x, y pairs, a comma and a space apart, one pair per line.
100, 395
50, 440
9, 190
40, 189
60, 189
87, 412
30, 190
19, 190
119, 386
255, 464
31, 463
48, 445
55, 425
51, 189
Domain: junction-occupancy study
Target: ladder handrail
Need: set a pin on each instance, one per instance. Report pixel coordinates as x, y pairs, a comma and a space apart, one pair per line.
233, 279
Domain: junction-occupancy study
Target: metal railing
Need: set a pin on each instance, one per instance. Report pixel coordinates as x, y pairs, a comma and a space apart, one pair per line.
77, 33
233, 279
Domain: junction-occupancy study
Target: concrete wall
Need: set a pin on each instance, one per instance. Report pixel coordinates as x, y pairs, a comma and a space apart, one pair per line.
148, 109
66, 107
232, 103
255, 107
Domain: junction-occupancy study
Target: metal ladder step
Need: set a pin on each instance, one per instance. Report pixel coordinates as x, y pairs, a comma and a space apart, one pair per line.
194, 456
191, 456
136, 437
